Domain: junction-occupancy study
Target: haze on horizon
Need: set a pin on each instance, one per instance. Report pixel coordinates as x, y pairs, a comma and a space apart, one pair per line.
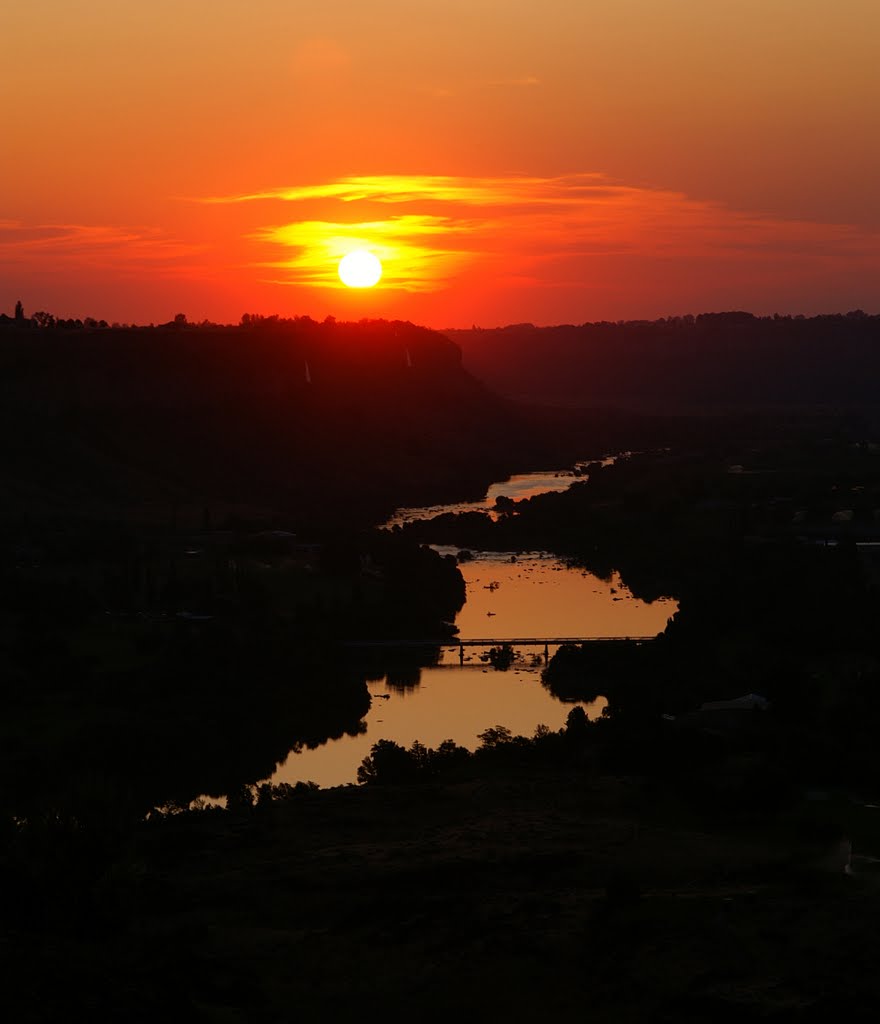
562, 162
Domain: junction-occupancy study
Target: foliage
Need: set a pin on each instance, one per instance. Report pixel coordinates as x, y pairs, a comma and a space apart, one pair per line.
501, 657
389, 763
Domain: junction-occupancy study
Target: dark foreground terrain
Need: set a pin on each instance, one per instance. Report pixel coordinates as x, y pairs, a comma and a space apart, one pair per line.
186, 546
516, 895
709, 362
319, 424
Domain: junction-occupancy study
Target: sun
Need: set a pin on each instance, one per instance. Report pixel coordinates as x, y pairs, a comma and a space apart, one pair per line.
360, 269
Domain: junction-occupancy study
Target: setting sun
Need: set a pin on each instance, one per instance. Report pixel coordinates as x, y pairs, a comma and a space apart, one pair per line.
360, 269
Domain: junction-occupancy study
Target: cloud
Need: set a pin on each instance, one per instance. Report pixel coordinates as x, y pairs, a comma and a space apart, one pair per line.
407, 188
116, 248
430, 229
415, 250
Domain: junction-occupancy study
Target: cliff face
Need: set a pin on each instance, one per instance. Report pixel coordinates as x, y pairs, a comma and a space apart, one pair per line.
200, 366
295, 415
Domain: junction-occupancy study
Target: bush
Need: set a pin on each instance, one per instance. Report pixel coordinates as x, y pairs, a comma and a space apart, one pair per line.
389, 763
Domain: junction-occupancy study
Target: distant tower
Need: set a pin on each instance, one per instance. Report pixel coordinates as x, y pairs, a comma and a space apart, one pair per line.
19, 310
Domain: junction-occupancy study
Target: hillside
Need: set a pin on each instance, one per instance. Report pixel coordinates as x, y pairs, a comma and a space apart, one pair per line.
717, 361
314, 420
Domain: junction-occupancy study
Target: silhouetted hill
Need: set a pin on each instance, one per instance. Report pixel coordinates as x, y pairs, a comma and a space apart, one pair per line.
313, 419
713, 361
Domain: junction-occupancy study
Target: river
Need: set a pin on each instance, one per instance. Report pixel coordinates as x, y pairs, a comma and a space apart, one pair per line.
521, 485
508, 596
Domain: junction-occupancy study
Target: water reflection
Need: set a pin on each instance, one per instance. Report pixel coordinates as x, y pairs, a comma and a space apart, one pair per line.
430, 695
452, 702
538, 595
517, 487
523, 485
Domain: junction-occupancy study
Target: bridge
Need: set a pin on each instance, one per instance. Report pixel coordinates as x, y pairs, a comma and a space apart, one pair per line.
528, 641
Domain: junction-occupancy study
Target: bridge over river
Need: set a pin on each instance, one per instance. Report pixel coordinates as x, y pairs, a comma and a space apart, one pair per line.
522, 641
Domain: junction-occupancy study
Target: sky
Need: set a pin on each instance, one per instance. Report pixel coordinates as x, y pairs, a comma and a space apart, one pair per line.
508, 161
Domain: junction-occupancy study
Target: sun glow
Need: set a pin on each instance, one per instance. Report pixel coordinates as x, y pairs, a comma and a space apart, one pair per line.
416, 252
360, 269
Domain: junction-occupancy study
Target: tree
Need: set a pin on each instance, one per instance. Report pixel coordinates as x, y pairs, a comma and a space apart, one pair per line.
387, 762
19, 310
497, 736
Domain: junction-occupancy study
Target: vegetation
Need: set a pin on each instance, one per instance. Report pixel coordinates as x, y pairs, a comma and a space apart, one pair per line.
185, 552
710, 362
325, 425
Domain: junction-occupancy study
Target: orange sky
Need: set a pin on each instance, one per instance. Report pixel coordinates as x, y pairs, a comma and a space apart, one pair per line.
509, 160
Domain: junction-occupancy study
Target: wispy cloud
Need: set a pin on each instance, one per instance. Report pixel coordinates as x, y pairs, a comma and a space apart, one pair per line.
91, 245
504, 243
429, 229
398, 188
